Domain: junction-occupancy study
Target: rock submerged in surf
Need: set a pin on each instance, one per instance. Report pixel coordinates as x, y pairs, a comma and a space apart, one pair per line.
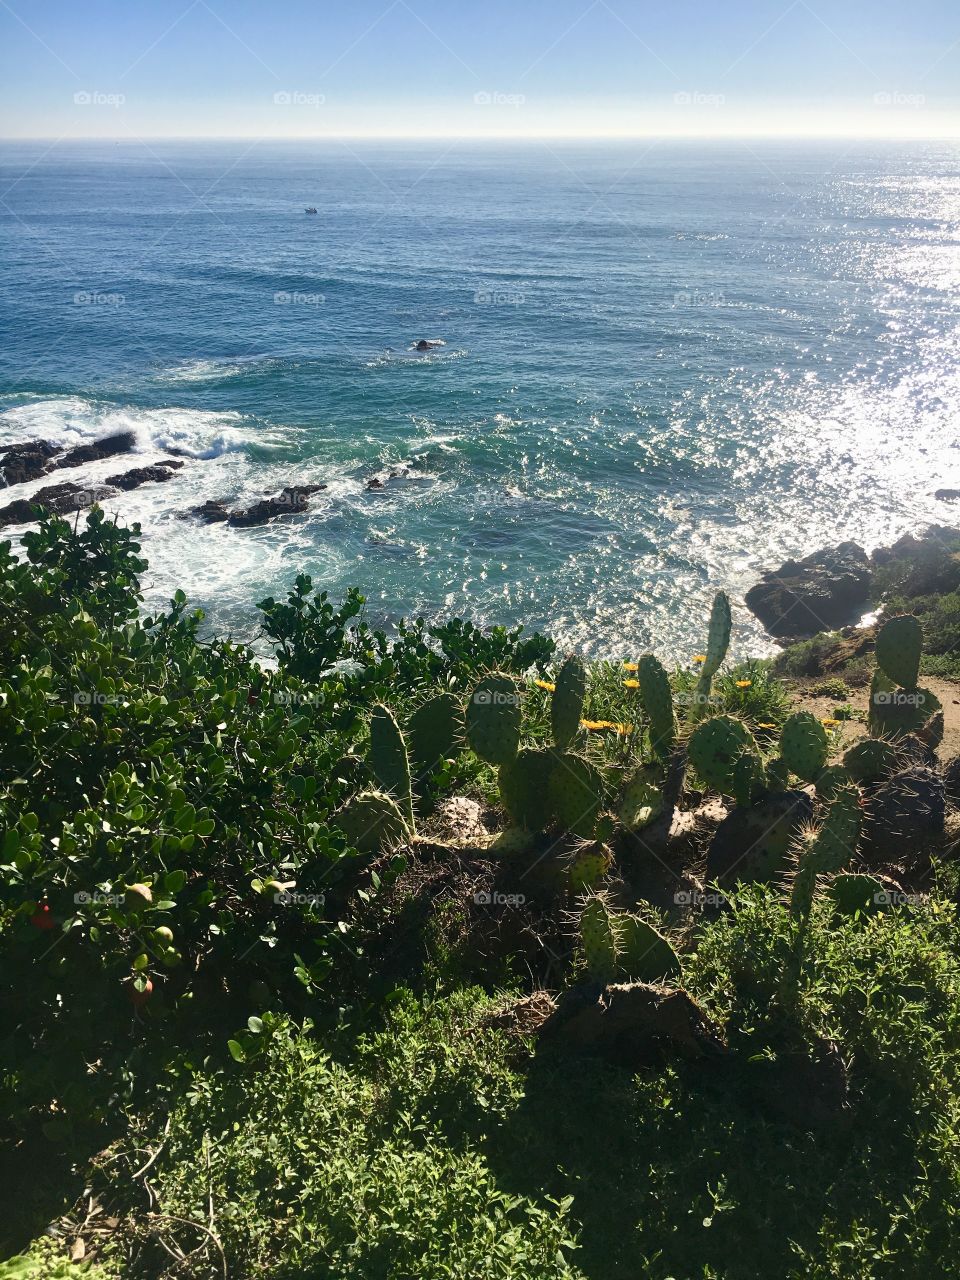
290, 501
54, 499
21, 463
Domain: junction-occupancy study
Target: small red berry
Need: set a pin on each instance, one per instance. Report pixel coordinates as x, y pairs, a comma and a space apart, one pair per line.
140, 997
42, 918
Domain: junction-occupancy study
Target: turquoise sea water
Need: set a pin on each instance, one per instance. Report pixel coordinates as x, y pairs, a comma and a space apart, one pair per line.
667, 365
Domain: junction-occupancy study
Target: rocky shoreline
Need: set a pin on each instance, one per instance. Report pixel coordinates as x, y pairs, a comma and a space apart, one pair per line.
830, 590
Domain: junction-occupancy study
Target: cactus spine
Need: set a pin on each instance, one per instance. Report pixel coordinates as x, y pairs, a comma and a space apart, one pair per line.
389, 760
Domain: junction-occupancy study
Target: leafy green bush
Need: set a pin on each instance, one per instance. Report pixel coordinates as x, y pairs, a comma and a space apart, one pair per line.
306, 1165
166, 865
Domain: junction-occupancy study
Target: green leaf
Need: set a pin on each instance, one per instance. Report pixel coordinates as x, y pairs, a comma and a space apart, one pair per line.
236, 1051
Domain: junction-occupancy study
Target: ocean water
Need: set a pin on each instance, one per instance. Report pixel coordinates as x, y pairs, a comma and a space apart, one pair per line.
667, 365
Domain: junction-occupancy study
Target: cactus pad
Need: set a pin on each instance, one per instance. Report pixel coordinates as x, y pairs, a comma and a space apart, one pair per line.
436, 731
642, 801
576, 794
525, 788
389, 761
566, 705
830, 780
899, 646
747, 779
714, 748
373, 822
803, 745
657, 701
598, 936
870, 760
588, 867
855, 894
493, 719
645, 955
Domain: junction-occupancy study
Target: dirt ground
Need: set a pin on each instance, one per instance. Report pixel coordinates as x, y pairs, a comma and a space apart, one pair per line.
947, 691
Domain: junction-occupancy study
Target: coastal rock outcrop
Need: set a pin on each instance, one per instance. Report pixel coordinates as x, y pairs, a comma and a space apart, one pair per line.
289, 501
58, 499
137, 476
21, 463
825, 590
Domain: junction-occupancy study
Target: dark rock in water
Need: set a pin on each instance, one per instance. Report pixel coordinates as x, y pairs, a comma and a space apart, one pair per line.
289, 501
928, 565
211, 512
825, 590
904, 815
173, 463
20, 512
753, 843
375, 483
132, 479
105, 447
65, 497
20, 463
947, 495
58, 499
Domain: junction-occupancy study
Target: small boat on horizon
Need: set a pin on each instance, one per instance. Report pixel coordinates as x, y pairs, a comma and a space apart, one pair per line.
310, 209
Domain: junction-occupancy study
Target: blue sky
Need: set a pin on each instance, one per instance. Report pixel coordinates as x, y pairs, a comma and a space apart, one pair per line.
114, 68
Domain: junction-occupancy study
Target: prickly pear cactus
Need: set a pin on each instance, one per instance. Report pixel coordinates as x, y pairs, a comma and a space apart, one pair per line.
830, 780
373, 822
598, 937
803, 745
566, 705
642, 801
899, 646
870, 760
895, 712
576, 794
588, 866
493, 719
436, 732
747, 779
389, 761
777, 774
714, 748
656, 699
718, 641
754, 844
829, 849
525, 788
511, 841
644, 955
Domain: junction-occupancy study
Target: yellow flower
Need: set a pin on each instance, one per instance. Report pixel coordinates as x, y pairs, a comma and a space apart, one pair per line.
597, 724
631, 684
624, 730
631, 666
766, 726
829, 723
744, 684
699, 657
545, 684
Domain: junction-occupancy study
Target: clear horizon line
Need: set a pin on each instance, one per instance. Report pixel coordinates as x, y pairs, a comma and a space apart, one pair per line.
485, 137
